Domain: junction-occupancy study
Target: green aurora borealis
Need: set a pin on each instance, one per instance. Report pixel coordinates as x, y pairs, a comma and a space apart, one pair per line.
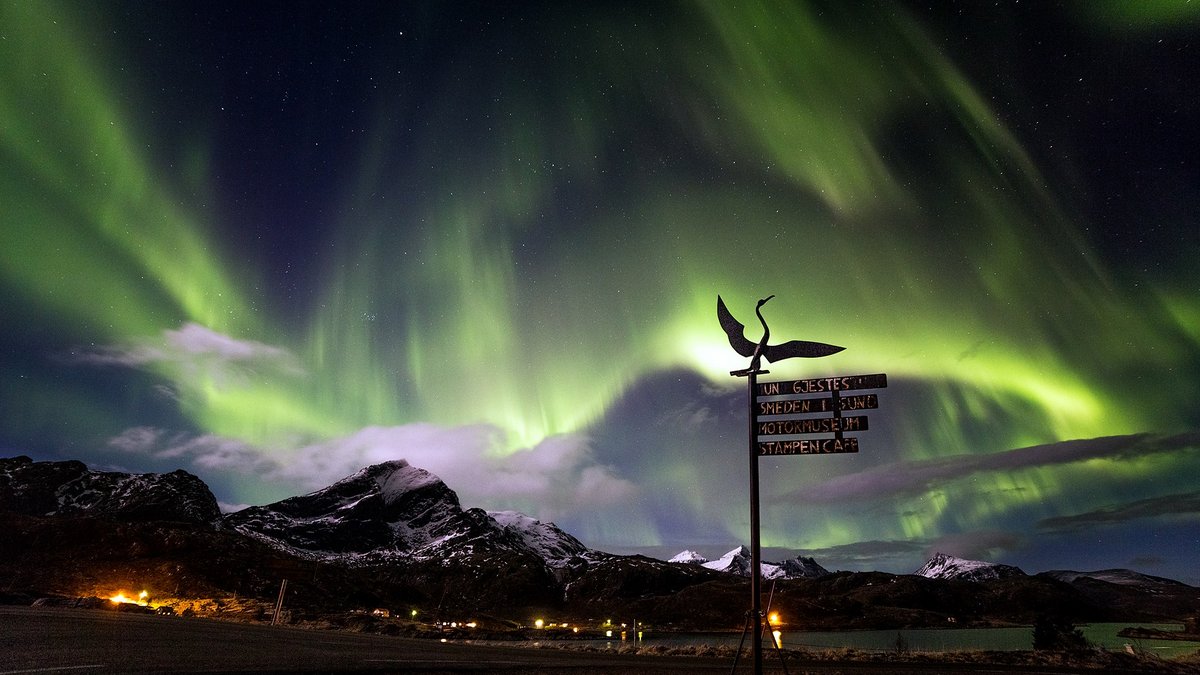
272, 245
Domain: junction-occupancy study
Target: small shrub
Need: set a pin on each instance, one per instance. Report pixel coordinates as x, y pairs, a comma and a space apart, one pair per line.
1057, 633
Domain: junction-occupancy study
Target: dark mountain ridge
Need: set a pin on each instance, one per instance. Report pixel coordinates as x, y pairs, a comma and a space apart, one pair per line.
394, 535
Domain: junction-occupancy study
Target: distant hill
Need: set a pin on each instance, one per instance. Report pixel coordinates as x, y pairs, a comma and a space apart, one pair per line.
738, 562
1120, 577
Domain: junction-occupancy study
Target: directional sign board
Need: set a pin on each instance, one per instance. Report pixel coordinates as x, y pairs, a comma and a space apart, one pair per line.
820, 446
823, 404
812, 425
785, 410
821, 385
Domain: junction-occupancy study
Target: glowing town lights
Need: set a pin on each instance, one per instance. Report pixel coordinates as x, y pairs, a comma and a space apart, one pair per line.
119, 598
538, 624
774, 618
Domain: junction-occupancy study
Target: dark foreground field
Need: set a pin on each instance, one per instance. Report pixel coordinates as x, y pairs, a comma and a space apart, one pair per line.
61, 640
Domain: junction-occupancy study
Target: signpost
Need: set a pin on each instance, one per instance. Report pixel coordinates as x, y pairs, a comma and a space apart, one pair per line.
780, 413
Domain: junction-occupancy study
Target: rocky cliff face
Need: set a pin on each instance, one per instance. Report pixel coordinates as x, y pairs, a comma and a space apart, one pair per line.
70, 488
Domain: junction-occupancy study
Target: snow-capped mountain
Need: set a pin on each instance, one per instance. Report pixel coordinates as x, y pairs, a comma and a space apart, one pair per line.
688, 556
70, 488
395, 510
738, 562
942, 566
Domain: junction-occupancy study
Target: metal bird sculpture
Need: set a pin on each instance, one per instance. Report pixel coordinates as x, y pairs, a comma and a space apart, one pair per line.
737, 339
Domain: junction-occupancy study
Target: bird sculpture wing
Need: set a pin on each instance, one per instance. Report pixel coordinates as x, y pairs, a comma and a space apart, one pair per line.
792, 348
735, 330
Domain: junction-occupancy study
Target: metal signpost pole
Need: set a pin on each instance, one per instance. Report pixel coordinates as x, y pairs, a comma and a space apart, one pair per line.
755, 544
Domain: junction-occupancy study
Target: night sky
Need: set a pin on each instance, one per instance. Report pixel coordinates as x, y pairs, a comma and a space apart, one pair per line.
272, 243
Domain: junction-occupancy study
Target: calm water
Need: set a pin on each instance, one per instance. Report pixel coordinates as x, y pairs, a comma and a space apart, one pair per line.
931, 639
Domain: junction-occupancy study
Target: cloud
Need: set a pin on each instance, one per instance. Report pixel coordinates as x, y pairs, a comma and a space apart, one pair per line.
916, 477
911, 554
1187, 503
980, 545
137, 440
690, 416
869, 555
206, 451
1143, 561
192, 351
553, 479
446, 451
869, 550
